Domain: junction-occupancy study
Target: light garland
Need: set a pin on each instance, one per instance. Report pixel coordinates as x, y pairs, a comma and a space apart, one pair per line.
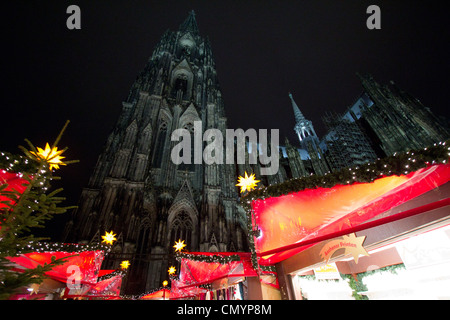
139, 296
206, 258
34, 246
118, 272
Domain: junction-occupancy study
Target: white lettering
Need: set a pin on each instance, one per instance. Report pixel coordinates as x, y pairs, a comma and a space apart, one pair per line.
373, 21
74, 20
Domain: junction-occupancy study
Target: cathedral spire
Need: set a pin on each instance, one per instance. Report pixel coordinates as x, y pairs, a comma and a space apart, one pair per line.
299, 117
190, 24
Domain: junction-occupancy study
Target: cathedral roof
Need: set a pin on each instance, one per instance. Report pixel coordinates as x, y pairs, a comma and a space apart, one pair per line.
299, 117
190, 24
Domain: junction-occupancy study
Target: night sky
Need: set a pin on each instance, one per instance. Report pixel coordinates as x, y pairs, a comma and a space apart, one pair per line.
262, 49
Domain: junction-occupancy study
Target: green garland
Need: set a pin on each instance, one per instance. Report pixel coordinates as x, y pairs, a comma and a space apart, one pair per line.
204, 258
17, 163
118, 272
397, 164
35, 246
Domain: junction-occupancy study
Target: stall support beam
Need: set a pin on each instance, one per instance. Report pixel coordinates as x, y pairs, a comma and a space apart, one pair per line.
254, 288
285, 281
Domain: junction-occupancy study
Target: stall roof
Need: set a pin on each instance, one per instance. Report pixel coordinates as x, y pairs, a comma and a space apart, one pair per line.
196, 271
289, 221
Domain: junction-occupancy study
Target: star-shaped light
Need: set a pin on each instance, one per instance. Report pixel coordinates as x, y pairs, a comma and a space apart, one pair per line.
51, 155
109, 237
172, 270
125, 264
353, 245
34, 288
358, 249
247, 182
179, 245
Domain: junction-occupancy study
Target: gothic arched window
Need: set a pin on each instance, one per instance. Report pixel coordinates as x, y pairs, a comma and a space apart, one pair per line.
180, 87
181, 229
144, 235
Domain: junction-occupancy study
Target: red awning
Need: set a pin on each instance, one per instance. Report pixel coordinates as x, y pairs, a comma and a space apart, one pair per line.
178, 290
102, 273
108, 287
288, 221
157, 295
14, 182
194, 272
88, 262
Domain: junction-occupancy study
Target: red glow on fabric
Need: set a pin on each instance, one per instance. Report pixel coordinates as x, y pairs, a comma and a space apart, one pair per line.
102, 273
14, 182
158, 295
178, 290
89, 263
312, 213
108, 287
194, 273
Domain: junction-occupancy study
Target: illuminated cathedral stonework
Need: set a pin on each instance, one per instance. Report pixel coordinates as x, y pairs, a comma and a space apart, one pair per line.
137, 191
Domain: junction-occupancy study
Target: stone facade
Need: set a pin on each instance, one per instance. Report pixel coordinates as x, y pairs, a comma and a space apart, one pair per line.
138, 192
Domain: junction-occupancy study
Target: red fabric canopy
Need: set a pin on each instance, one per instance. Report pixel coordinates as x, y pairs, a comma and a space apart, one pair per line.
14, 182
102, 273
109, 287
194, 273
312, 213
88, 262
180, 291
158, 295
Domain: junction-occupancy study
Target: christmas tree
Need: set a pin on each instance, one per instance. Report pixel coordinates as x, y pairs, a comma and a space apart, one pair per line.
26, 202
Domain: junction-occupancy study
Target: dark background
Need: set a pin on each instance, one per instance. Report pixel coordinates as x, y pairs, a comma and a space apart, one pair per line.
262, 49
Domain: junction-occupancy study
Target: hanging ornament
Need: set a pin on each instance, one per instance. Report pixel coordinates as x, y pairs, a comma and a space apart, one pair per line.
50, 155
179, 245
109, 237
353, 245
34, 288
247, 183
172, 271
125, 264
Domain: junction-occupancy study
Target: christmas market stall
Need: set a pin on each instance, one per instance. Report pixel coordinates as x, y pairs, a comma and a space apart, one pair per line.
29, 267
337, 235
77, 276
215, 276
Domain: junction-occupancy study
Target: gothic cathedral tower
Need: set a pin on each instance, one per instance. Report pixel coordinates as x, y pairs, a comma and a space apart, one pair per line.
138, 192
309, 140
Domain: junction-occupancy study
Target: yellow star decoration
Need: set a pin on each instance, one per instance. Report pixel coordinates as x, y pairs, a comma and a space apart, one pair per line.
125, 264
172, 270
179, 245
34, 288
50, 155
109, 237
353, 245
247, 182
